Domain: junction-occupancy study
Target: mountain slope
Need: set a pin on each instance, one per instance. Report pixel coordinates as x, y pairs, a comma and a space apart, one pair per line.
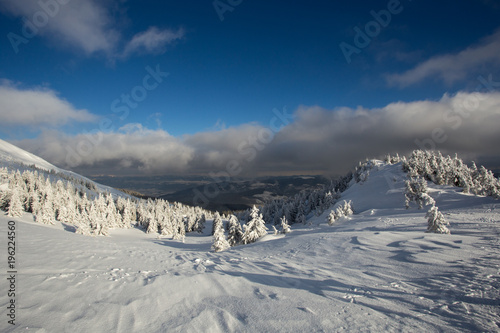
13, 158
12, 154
377, 271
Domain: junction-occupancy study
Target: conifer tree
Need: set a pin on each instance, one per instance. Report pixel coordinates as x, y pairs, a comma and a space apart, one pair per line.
46, 215
34, 202
83, 224
126, 215
347, 208
255, 228
179, 229
285, 228
220, 242
98, 224
113, 219
216, 222
15, 204
436, 222
235, 231
416, 190
331, 217
201, 223
4, 199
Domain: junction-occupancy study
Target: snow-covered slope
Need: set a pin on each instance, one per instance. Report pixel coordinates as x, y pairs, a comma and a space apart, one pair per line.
14, 157
10, 154
376, 272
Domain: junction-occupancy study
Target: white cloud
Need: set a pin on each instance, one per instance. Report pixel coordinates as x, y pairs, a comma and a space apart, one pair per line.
451, 68
84, 24
37, 107
318, 140
153, 41
88, 26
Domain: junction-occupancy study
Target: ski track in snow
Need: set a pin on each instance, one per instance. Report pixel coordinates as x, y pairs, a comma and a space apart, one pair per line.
376, 272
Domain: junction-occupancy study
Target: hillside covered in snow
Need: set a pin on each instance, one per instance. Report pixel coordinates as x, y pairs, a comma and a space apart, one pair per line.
369, 265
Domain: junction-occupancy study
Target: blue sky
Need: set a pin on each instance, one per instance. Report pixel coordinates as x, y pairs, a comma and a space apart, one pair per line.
229, 65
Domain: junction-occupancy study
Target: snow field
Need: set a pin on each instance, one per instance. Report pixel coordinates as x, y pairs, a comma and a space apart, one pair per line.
376, 272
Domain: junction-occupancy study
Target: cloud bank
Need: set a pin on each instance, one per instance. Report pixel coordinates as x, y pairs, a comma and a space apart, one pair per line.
316, 141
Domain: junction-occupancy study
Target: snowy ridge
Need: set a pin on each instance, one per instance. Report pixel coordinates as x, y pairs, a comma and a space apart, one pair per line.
10, 154
14, 158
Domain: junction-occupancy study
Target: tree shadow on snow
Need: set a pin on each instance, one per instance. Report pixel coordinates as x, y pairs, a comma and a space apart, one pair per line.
69, 227
177, 244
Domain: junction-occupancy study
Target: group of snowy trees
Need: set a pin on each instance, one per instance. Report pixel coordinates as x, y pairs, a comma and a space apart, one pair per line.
302, 206
416, 190
423, 166
433, 166
342, 211
253, 229
51, 198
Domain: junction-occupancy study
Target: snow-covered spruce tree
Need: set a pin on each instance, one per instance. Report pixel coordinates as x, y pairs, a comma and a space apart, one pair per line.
285, 227
255, 228
416, 190
15, 205
95, 222
216, 222
179, 232
113, 218
220, 242
331, 218
4, 199
152, 225
126, 215
191, 223
34, 202
201, 219
362, 171
46, 214
436, 222
235, 233
83, 224
347, 208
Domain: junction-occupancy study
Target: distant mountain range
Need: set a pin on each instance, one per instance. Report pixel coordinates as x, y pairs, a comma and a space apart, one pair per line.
237, 194
240, 195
